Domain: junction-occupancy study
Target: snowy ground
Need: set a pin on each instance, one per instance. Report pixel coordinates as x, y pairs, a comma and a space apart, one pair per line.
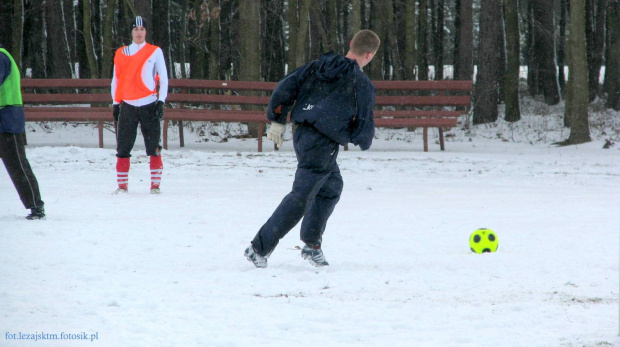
168, 270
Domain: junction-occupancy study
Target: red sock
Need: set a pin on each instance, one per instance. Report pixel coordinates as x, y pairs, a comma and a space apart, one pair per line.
122, 172
156, 170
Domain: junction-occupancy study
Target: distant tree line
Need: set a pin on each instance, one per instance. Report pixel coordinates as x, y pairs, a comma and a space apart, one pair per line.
265, 39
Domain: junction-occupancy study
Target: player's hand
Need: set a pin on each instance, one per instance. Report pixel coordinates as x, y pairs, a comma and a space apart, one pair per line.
159, 110
275, 133
116, 112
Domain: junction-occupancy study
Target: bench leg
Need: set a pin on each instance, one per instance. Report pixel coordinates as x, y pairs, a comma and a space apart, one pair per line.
181, 137
425, 137
260, 136
165, 134
441, 145
100, 134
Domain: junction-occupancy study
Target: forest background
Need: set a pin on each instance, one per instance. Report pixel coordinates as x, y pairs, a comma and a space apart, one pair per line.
567, 47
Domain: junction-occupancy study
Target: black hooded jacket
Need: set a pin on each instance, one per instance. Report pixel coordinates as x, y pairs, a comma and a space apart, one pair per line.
333, 95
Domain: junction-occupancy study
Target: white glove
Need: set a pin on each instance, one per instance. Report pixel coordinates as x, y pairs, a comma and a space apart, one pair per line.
275, 133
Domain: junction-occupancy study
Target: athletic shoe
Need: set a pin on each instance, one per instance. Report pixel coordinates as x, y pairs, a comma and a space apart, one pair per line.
155, 191
36, 213
258, 260
314, 255
120, 191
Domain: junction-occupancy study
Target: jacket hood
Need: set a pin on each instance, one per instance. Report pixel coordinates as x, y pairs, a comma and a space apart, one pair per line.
332, 66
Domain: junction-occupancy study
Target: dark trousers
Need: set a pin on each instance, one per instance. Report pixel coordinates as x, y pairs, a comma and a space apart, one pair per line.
127, 129
14, 158
316, 191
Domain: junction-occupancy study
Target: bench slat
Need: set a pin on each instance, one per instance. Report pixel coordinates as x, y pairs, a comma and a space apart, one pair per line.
404, 100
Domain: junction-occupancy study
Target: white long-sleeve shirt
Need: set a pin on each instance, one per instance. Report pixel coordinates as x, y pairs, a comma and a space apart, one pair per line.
155, 65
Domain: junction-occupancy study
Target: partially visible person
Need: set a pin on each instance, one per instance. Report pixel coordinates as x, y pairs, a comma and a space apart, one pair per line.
137, 70
332, 104
12, 138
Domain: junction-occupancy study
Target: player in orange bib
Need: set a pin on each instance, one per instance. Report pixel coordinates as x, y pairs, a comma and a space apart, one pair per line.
137, 69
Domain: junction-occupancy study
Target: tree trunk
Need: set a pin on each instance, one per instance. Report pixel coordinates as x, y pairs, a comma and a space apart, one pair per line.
390, 29
108, 48
302, 36
249, 46
273, 41
438, 37
293, 32
7, 16
89, 46
544, 50
423, 41
595, 42
60, 65
562, 48
511, 90
198, 25
214, 40
35, 48
576, 111
485, 91
612, 68
409, 37
18, 32
356, 18
464, 41
160, 33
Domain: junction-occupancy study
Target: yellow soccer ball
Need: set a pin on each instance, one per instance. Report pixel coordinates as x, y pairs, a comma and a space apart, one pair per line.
483, 240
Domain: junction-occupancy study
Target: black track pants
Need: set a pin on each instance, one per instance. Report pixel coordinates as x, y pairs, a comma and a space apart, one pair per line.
14, 158
127, 129
316, 191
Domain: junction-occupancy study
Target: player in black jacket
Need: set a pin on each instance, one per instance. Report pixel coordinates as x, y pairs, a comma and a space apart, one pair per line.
332, 104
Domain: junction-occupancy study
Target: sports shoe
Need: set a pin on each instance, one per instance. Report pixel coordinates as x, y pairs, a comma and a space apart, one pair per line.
36, 213
155, 191
120, 191
258, 260
314, 255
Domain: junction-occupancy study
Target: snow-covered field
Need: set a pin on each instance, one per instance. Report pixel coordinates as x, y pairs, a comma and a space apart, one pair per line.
168, 270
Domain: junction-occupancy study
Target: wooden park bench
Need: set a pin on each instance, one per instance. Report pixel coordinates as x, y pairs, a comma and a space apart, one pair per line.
399, 104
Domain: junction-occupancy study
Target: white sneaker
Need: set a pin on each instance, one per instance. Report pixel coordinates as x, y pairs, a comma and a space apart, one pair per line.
314, 256
258, 260
119, 191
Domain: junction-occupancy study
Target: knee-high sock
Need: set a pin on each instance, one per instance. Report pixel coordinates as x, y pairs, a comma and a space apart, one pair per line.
122, 172
156, 170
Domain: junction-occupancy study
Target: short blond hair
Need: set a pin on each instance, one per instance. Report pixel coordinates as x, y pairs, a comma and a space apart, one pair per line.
365, 41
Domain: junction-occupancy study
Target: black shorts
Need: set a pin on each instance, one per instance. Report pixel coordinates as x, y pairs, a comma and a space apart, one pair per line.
127, 129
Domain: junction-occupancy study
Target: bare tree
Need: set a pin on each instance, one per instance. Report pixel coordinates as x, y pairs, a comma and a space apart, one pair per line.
511, 90
88, 40
60, 64
576, 111
18, 31
302, 33
464, 41
214, 40
438, 38
612, 74
542, 67
595, 42
423, 40
485, 91
409, 55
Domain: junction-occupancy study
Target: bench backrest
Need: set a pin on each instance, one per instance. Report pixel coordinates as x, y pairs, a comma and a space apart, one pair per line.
444, 93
